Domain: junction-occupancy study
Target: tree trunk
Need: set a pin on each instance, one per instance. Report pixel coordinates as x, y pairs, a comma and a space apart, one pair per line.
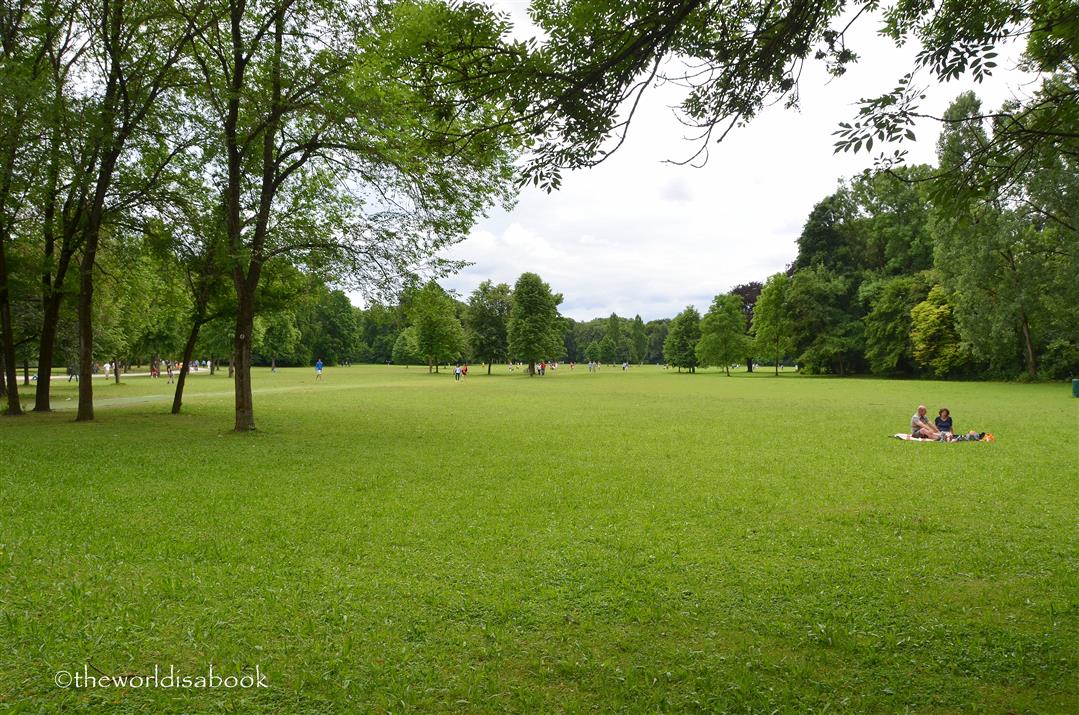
1028, 342
116, 370
749, 364
189, 350
26, 371
232, 365
14, 407
213, 365
245, 322
47, 352
488, 367
3, 376
531, 368
86, 334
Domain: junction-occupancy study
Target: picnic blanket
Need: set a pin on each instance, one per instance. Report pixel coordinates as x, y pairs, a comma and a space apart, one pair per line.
910, 438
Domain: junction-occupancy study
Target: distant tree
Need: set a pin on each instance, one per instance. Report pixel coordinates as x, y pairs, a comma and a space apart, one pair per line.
281, 338
535, 331
608, 350
723, 333
680, 347
405, 350
593, 352
888, 323
935, 342
569, 340
638, 340
657, 334
621, 350
335, 330
439, 335
749, 292
826, 239
486, 321
773, 326
827, 332
894, 210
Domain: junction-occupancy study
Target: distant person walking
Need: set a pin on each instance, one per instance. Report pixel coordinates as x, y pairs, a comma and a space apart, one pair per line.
168, 369
457, 374
318, 370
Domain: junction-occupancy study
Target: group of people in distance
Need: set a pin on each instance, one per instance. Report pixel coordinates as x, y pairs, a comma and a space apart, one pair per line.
940, 429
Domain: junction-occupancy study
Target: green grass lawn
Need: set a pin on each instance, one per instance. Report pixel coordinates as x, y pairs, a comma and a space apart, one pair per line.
647, 541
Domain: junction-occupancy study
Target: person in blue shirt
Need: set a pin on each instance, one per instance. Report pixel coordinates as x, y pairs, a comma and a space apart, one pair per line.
318, 369
943, 420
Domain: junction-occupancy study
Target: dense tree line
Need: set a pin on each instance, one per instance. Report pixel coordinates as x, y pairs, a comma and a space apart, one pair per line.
169, 169
174, 169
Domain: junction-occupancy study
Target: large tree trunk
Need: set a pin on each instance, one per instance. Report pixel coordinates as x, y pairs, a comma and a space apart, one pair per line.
245, 322
3, 377
749, 364
14, 407
116, 370
47, 352
213, 365
531, 368
26, 371
86, 334
489, 367
189, 350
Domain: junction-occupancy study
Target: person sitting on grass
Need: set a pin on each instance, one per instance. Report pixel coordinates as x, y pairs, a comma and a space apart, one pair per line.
921, 427
943, 421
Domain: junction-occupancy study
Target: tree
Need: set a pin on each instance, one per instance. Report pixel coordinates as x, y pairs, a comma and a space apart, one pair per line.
825, 239
657, 334
608, 350
486, 321
593, 352
749, 292
936, 344
281, 337
438, 333
1008, 263
888, 345
406, 351
773, 326
723, 338
303, 134
638, 340
827, 331
680, 347
534, 327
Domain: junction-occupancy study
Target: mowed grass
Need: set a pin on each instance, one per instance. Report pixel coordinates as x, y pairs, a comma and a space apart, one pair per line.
646, 541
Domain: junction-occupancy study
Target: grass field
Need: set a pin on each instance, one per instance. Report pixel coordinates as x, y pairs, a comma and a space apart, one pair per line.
647, 541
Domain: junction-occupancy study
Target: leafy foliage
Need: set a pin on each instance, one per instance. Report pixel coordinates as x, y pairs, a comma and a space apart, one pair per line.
534, 326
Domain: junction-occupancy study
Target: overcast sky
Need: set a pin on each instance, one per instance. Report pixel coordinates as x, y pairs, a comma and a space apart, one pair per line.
637, 235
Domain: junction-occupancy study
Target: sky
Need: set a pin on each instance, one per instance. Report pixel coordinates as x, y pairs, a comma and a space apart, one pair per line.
636, 235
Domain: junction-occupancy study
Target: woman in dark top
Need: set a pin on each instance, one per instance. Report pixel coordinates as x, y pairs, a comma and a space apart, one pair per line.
944, 420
